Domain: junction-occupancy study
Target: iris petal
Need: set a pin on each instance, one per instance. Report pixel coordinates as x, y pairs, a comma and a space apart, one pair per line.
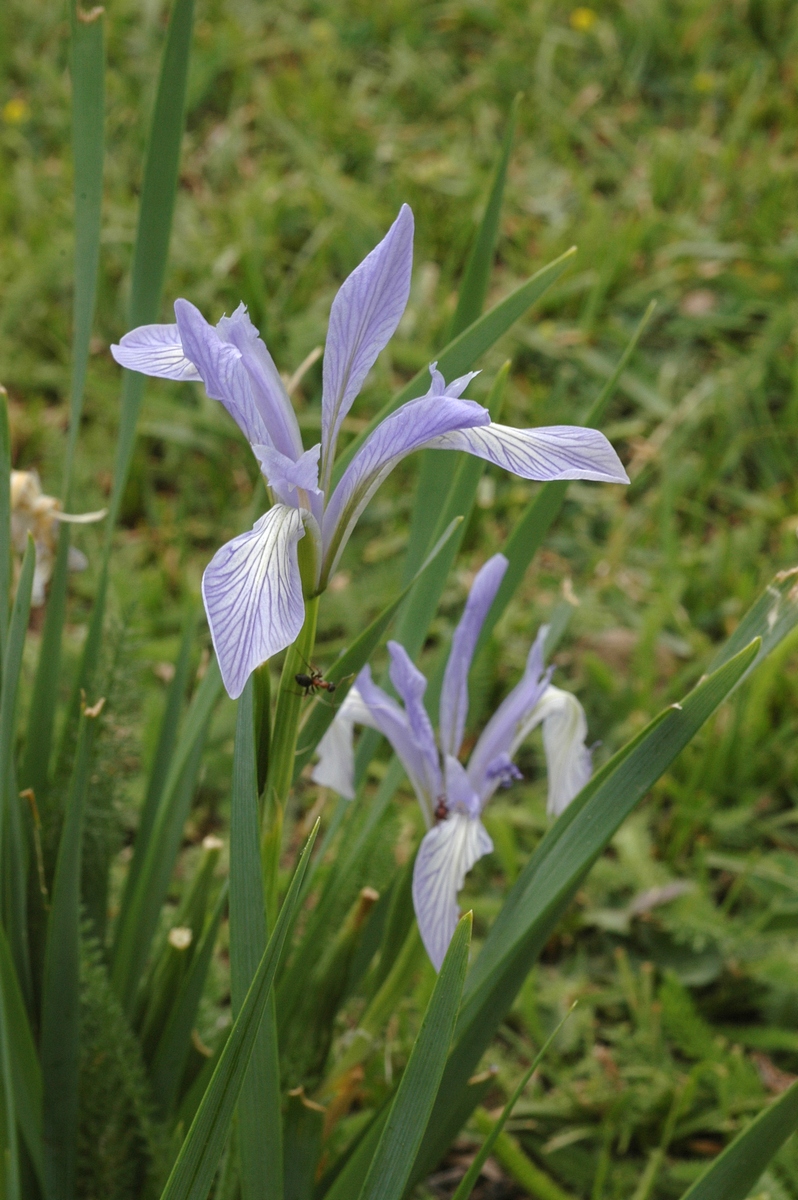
549, 452
445, 856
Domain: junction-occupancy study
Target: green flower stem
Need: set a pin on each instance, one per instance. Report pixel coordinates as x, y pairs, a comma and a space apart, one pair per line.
289, 707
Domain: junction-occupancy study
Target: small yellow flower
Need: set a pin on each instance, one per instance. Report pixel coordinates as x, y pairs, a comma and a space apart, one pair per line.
15, 111
582, 19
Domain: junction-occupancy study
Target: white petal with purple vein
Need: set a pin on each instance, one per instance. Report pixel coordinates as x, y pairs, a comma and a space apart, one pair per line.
550, 452
253, 595
155, 350
445, 856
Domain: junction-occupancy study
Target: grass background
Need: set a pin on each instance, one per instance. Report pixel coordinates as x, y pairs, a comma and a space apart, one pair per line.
661, 138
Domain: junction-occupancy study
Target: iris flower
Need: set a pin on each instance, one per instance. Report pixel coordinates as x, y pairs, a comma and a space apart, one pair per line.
253, 589
452, 795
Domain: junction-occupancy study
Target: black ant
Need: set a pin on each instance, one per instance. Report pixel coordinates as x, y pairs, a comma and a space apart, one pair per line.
441, 809
314, 682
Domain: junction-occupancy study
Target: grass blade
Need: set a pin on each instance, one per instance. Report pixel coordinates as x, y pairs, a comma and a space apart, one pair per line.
551, 877
469, 1180
139, 919
436, 471
11, 1190
734, 1172
169, 1060
350, 662
392, 1163
61, 986
193, 1172
88, 147
259, 1110
463, 351
542, 511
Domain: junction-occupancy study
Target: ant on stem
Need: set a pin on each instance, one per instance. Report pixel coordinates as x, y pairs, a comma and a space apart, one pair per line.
313, 681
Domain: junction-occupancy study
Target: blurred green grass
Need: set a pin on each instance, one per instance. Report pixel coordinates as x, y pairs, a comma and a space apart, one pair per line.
661, 139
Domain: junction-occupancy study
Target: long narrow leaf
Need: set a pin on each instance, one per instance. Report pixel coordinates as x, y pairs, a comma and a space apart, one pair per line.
138, 922
464, 350
199, 1156
437, 470
734, 1172
25, 1069
393, 1160
259, 1111
61, 986
5, 519
358, 654
149, 266
11, 1190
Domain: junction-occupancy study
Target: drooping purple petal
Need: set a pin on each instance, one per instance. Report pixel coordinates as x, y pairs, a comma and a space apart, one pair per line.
499, 735
155, 350
285, 475
445, 856
454, 692
413, 425
222, 369
550, 452
363, 318
336, 766
268, 389
253, 595
411, 686
460, 796
392, 722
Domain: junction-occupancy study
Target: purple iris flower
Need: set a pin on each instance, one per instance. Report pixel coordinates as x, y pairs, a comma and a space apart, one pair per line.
452, 796
252, 588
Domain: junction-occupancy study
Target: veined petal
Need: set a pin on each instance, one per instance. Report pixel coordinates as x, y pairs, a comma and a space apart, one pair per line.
413, 425
550, 452
253, 595
286, 474
503, 729
445, 856
363, 318
411, 686
268, 389
221, 367
392, 722
454, 692
155, 350
336, 766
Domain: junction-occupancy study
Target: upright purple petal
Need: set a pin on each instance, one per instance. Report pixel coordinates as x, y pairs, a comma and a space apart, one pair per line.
413, 425
499, 735
411, 686
222, 370
336, 766
392, 722
551, 452
253, 595
363, 318
454, 692
445, 856
155, 350
268, 389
